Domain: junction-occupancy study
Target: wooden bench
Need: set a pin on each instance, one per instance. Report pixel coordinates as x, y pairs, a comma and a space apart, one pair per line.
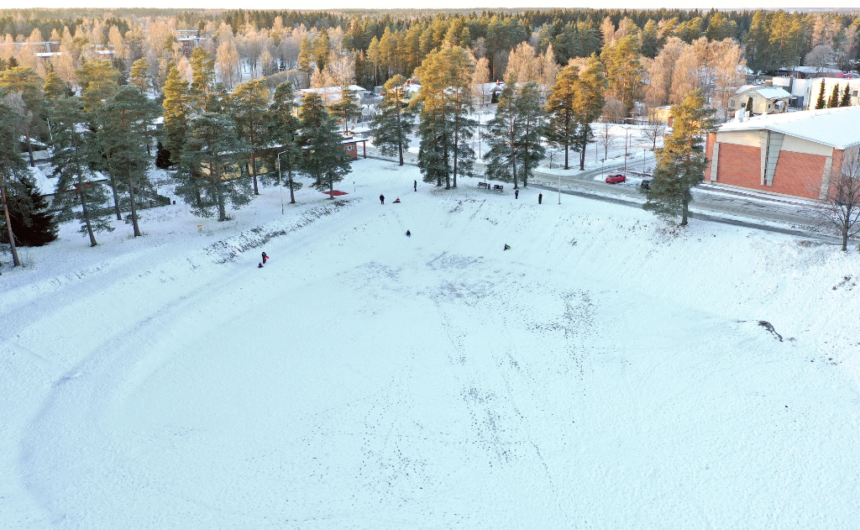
498, 187
482, 184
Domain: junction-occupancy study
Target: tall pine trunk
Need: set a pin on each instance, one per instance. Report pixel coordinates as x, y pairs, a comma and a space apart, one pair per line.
86, 213
15, 261
133, 211
115, 198
685, 205
290, 180
30, 149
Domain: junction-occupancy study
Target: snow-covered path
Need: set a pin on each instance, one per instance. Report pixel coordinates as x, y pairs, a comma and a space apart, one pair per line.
603, 373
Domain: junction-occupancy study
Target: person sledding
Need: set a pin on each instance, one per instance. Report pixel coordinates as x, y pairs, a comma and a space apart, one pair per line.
397, 200
507, 247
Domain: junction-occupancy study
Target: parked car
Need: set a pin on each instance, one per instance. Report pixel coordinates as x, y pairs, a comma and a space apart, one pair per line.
646, 184
615, 179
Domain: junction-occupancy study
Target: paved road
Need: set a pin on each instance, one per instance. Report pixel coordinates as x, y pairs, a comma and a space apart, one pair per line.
711, 203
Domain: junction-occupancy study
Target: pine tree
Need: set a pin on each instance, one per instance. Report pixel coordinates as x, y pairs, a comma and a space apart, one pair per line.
283, 129
12, 171
98, 81
306, 56
532, 125
502, 137
681, 163
25, 85
563, 126
176, 114
34, 225
588, 104
445, 125
249, 104
833, 102
72, 158
346, 108
820, 102
393, 123
514, 134
208, 173
122, 129
324, 158
201, 91
140, 77
846, 96
55, 88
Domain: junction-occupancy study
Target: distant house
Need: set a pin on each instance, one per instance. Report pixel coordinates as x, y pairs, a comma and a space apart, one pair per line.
487, 93
809, 72
350, 145
661, 114
759, 99
814, 88
188, 44
795, 153
331, 94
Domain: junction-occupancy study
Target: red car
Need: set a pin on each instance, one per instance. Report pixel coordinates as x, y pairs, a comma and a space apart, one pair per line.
615, 179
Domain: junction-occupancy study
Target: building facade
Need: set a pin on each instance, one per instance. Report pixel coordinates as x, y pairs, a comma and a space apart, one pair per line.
796, 154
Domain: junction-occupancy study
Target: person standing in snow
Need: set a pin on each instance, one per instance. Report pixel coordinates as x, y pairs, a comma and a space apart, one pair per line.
540, 198
517, 193
408, 233
265, 258
507, 247
415, 185
381, 199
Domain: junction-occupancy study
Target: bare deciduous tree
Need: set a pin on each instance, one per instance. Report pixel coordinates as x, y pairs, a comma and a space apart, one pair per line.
653, 130
840, 210
604, 137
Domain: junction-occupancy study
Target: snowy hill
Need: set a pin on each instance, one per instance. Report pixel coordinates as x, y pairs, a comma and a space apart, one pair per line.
605, 372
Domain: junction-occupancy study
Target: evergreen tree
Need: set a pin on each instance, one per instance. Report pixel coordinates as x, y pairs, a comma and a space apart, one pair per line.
820, 102
532, 125
514, 134
208, 173
588, 104
681, 163
201, 91
283, 129
12, 172
563, 126
25, 84
73, 153
122, 129
140, 77
392, 124
324, 158
176, 114
445, 125
249, 104
846, 96
345, 109
306, 57
98, 81
502, 136
833, 102
55, 88
34, 225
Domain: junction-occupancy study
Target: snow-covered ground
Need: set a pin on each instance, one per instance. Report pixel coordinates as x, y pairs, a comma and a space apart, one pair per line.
606, 372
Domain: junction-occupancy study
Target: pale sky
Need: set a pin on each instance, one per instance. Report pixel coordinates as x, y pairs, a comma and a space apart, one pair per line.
437, 4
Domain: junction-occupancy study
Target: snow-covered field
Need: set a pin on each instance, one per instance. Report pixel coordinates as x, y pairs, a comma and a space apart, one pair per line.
603, 373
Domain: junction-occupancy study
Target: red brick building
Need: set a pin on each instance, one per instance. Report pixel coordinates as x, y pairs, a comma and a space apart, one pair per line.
795, 153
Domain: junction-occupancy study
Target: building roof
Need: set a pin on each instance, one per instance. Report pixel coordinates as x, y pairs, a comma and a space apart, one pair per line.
834, 127
332, 90
767, 92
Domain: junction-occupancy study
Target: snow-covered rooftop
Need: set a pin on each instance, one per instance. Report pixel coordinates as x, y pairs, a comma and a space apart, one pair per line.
767, 92
834, 127
332, 90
